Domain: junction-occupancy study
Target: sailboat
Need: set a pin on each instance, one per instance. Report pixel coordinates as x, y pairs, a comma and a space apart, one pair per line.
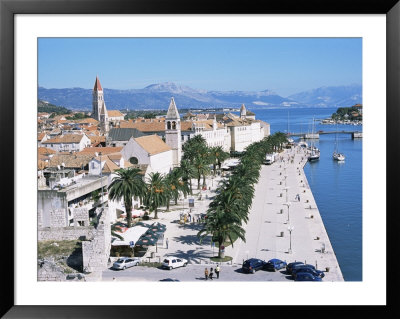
336, 155
314, 152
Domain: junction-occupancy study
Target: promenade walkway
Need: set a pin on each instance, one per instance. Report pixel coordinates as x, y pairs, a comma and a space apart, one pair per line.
270, 218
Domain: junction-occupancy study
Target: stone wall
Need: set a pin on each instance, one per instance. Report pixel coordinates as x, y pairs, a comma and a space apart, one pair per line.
80, 215
65, 233
49, 271
96, 252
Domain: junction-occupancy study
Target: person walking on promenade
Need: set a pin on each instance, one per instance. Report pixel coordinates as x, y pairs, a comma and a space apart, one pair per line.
166, 242
298, 197
206, 273
217, 270
211, 274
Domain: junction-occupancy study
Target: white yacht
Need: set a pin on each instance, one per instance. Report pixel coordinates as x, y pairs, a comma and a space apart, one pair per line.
336, 155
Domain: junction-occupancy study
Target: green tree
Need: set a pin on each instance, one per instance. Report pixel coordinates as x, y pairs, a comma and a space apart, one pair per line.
127, 184
217, 156
156, 195
222, 226
187, 172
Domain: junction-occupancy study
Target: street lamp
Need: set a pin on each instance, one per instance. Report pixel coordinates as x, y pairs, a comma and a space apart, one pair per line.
290, 229
286, 189
288, 213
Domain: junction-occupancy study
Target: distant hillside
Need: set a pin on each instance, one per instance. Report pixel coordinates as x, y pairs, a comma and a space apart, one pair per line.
47, 107
330, 96
157, 96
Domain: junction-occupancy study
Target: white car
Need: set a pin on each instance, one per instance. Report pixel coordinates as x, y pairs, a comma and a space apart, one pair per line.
174, 262
126, 262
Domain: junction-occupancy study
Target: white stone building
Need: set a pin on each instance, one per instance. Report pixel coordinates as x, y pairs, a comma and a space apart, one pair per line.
244, 131
149, 150
214, 133
68, 143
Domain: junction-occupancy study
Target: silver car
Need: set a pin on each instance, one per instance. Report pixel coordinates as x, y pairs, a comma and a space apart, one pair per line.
126, 262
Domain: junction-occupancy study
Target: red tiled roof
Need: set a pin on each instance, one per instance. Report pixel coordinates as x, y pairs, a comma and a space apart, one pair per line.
97, 85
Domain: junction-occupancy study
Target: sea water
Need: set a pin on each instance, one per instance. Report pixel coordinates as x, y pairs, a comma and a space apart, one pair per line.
336, 186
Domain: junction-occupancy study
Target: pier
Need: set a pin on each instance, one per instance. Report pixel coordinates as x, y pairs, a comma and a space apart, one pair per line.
281, 226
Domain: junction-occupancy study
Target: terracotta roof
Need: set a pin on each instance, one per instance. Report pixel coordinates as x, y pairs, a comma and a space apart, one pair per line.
144, 126
41, 136
70, 160
97, 139
69, 138
152, 144
103, 150
114, 113
45, 151
88, 120
110, 166
114, 156
97, 85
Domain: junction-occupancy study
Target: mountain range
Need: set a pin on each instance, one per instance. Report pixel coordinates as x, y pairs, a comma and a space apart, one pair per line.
157, 96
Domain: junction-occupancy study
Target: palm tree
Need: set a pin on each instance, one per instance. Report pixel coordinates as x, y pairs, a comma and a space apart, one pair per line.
174, 185
222, 226
127, 184
187, 172
202, 169
156, 194
217, 156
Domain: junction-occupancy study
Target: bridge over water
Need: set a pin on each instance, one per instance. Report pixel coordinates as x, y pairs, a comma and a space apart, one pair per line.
354, 134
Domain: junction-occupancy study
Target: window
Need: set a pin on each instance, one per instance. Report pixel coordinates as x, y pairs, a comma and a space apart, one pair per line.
174, 125
133, 160
173, 261
168, 125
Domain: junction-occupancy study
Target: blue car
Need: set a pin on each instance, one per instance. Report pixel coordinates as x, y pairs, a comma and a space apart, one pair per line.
295, 267
305, 276
275, 264
292, 265
314, 272
253, 264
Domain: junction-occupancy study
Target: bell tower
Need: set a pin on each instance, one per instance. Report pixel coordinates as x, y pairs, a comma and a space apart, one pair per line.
99, 110
173, 132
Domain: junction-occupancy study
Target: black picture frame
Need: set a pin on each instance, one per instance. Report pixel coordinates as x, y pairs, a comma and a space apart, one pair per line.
8, 10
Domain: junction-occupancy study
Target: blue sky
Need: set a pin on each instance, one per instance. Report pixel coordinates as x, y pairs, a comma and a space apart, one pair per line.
284, 65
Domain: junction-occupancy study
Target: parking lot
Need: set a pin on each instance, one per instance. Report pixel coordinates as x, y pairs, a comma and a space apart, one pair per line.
193, 272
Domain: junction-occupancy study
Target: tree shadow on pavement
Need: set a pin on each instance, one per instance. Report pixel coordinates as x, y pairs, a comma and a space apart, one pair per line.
193, 240
193, 256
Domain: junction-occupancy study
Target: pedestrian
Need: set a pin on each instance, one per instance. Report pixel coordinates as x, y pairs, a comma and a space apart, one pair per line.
190, 218
206, 273
217, 270
211, 274
298, 197
166, 242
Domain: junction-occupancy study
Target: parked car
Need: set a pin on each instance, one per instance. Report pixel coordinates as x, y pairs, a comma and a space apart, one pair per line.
275, 264
295, 267
290, 266
253, 264
126, 262
306, 276
174, 262
314, 272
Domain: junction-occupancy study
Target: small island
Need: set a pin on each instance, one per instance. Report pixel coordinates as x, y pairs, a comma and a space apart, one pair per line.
346, 115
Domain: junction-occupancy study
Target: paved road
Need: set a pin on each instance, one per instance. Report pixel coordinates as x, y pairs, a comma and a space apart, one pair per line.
193, 272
